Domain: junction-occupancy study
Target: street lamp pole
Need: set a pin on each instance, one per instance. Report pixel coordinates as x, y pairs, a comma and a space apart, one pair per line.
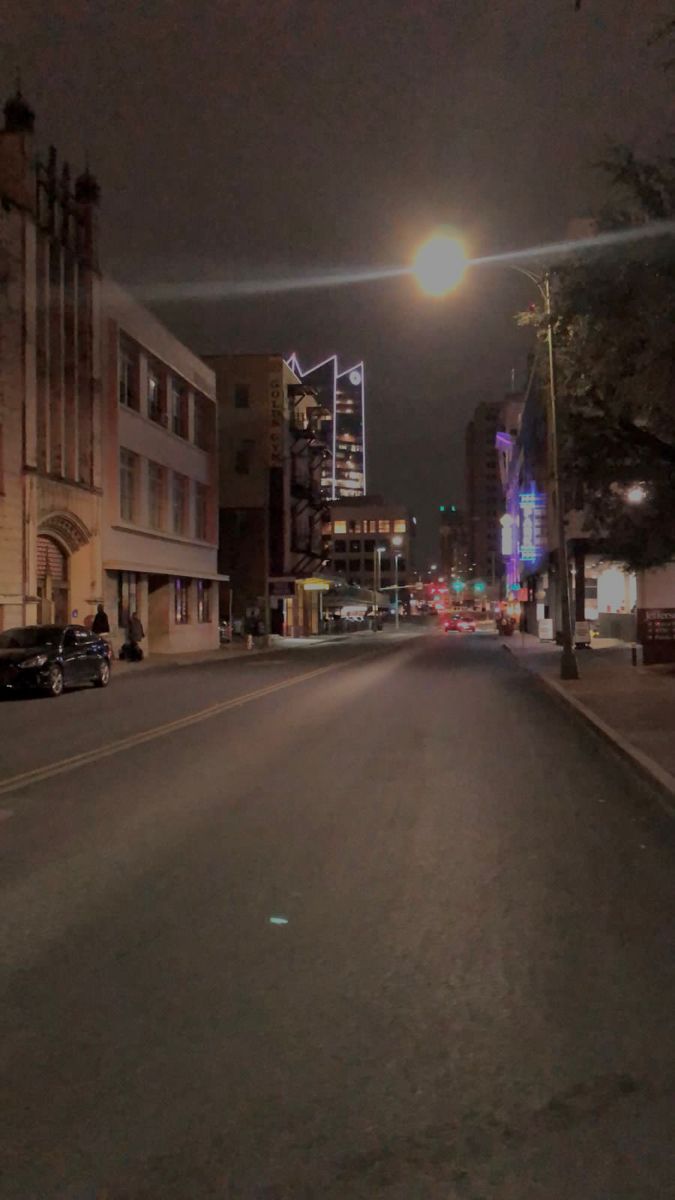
377, 559
568, 661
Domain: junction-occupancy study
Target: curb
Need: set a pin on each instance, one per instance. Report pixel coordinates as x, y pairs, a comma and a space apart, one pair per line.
656, 775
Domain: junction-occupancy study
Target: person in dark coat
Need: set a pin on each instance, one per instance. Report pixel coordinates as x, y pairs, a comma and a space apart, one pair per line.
135, 634
100, 623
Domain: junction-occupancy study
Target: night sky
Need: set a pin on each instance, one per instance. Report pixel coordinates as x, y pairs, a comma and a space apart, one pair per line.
244, 138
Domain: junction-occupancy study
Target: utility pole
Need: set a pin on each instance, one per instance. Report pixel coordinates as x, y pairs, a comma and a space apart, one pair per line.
568, 662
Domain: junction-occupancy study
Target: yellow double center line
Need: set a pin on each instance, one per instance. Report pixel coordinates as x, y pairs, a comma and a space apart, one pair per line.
63, 765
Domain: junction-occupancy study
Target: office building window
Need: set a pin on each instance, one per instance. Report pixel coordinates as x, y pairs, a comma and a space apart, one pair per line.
126, 597
242, 395
181, 601
204, 423
201, 512
180, 501
340, 564
369, 546
355, 564
155, 397
156, 494
355, 546
339, 526
128, 377
128, 484
243, 457
400, 526
383, 526
340, 546
354, 526
203, 601
179, 409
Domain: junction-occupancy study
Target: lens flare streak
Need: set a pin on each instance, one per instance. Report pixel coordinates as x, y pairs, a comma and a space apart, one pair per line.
209, 290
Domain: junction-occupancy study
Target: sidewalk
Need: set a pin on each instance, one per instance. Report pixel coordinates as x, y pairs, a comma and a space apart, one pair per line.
632, 707
232, 651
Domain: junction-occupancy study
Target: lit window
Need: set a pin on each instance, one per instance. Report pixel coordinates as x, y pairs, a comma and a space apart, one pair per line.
155, 406
354, 526
128, 476
181, 601
203, 601
339, 526
400, 526
383, 526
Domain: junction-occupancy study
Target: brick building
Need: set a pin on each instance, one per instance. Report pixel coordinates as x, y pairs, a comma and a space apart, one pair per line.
270, 462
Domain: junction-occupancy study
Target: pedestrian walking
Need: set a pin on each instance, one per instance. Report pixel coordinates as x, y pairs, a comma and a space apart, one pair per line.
100, 623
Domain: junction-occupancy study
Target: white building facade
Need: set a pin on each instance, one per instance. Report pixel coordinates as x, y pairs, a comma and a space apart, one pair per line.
160, 527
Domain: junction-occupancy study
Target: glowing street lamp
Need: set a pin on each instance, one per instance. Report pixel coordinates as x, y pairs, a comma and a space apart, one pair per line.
637, 494
439, 264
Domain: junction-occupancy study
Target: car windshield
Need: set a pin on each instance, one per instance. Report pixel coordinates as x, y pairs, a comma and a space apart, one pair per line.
27, 636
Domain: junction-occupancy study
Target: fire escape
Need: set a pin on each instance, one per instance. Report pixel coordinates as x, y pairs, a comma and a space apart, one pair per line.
308, 452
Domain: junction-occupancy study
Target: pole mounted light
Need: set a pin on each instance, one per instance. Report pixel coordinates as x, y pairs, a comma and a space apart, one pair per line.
439, 267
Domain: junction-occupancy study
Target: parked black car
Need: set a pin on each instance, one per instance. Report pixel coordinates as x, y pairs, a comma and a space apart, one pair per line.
48, 658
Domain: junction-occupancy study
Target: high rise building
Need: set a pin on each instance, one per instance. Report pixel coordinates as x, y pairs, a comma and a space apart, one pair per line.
453, 542
484, 493
342, 395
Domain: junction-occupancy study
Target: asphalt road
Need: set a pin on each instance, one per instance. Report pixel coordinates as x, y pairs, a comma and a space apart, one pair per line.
472, 994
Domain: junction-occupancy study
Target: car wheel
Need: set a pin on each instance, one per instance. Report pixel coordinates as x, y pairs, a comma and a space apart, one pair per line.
103, 677
54, 685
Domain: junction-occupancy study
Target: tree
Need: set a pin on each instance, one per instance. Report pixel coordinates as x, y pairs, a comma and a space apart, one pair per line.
615, 340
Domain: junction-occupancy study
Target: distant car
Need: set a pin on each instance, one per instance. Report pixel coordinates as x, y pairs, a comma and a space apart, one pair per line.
47, 658
461, 623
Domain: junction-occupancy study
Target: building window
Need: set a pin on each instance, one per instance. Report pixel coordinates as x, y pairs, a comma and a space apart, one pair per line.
204, 423
156, 490
369, 546
179, 409
355, 564
383, 526
339, 526
126, 597
340, 564
180, 497
243, 457
340, 546
155, 398
181, 601
386, 564
128, 377
355, 546
400, 526
201, 512
242, 395
203, 601
354, 526
128, 484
